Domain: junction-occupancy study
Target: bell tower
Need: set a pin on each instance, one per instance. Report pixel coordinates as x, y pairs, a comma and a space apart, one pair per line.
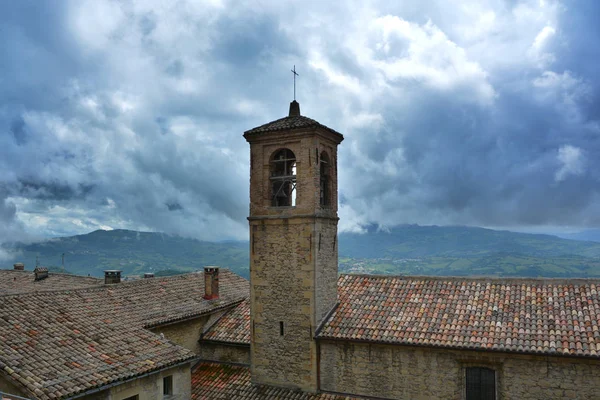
293, 245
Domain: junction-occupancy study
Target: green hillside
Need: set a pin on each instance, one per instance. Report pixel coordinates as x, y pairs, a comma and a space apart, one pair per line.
409, 249
458, 241
134, 253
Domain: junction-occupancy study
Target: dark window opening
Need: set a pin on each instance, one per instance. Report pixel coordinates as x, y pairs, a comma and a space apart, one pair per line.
481, 384
168, 385
280, 328
325, 180
136, 397
283, 179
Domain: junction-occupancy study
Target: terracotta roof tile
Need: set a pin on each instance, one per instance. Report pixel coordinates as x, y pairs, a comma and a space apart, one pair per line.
233, 327
57, 344
532, 316
13, 282
287, 123
224, 382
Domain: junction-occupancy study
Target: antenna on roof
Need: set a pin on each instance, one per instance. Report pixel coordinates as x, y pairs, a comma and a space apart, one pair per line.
295, 75
63, 262
36, 261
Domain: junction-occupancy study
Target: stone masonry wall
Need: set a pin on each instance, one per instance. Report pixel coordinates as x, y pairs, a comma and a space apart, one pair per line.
226, 353
185, 334
150, 387
410, 372
282, 291
326, 271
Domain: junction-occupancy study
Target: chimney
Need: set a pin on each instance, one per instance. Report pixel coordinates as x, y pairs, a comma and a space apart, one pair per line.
112, 276
211, 283
294, 109
19, 266
148, 275
40, 273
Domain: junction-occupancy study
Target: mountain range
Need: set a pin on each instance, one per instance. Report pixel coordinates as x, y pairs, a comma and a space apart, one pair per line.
406, 249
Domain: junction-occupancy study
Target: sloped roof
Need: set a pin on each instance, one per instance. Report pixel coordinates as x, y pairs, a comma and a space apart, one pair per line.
58, 344
13, 282
556, 317
544, 316
288, 123
224, 382
232, 327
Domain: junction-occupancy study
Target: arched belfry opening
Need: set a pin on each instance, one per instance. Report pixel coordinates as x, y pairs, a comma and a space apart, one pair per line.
325, 179
283, 178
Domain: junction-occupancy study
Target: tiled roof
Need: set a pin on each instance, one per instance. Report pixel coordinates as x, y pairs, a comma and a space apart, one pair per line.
12, 282
286, 123
233, 327
57, 344
54, 350
532, 316
155, 301
211, 381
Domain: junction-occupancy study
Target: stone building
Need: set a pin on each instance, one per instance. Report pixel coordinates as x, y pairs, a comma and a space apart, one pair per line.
297, 330
95, 339
314, 336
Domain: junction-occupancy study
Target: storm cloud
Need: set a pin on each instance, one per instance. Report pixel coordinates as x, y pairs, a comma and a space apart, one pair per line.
130, 114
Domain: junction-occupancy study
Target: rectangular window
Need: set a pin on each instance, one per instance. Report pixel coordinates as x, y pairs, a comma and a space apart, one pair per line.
280, 328
168, 385
481, 384
136, 397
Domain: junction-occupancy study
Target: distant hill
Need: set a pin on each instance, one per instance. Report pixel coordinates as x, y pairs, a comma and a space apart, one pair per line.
457, 241
407, 249
134, 253
591, 235
464, 251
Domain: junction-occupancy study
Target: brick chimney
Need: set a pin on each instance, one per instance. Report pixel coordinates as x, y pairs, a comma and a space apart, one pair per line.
40, 273
19, 266
148, 275
211, 283
112, 276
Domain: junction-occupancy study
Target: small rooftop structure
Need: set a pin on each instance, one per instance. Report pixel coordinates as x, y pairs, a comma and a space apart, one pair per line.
40, 273
112, 276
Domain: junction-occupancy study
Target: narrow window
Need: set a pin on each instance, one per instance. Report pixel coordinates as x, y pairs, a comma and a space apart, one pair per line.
280, 328
136, 397
481, 384
283, 179
325, 179
168, 385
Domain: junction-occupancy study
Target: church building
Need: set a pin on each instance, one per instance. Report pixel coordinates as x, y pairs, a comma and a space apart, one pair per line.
298, 329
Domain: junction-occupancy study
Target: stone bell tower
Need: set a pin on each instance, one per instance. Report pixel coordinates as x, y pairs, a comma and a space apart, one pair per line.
293, 245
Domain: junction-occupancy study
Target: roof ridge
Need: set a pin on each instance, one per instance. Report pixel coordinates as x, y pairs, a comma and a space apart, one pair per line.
477, 278
208, 327
103, 286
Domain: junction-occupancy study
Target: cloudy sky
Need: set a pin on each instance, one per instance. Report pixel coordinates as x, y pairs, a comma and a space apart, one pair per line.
130, 114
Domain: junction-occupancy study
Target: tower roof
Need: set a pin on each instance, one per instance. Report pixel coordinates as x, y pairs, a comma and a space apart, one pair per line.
293, 121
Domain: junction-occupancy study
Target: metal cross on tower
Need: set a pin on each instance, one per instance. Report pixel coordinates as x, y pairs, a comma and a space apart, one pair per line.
295, 75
